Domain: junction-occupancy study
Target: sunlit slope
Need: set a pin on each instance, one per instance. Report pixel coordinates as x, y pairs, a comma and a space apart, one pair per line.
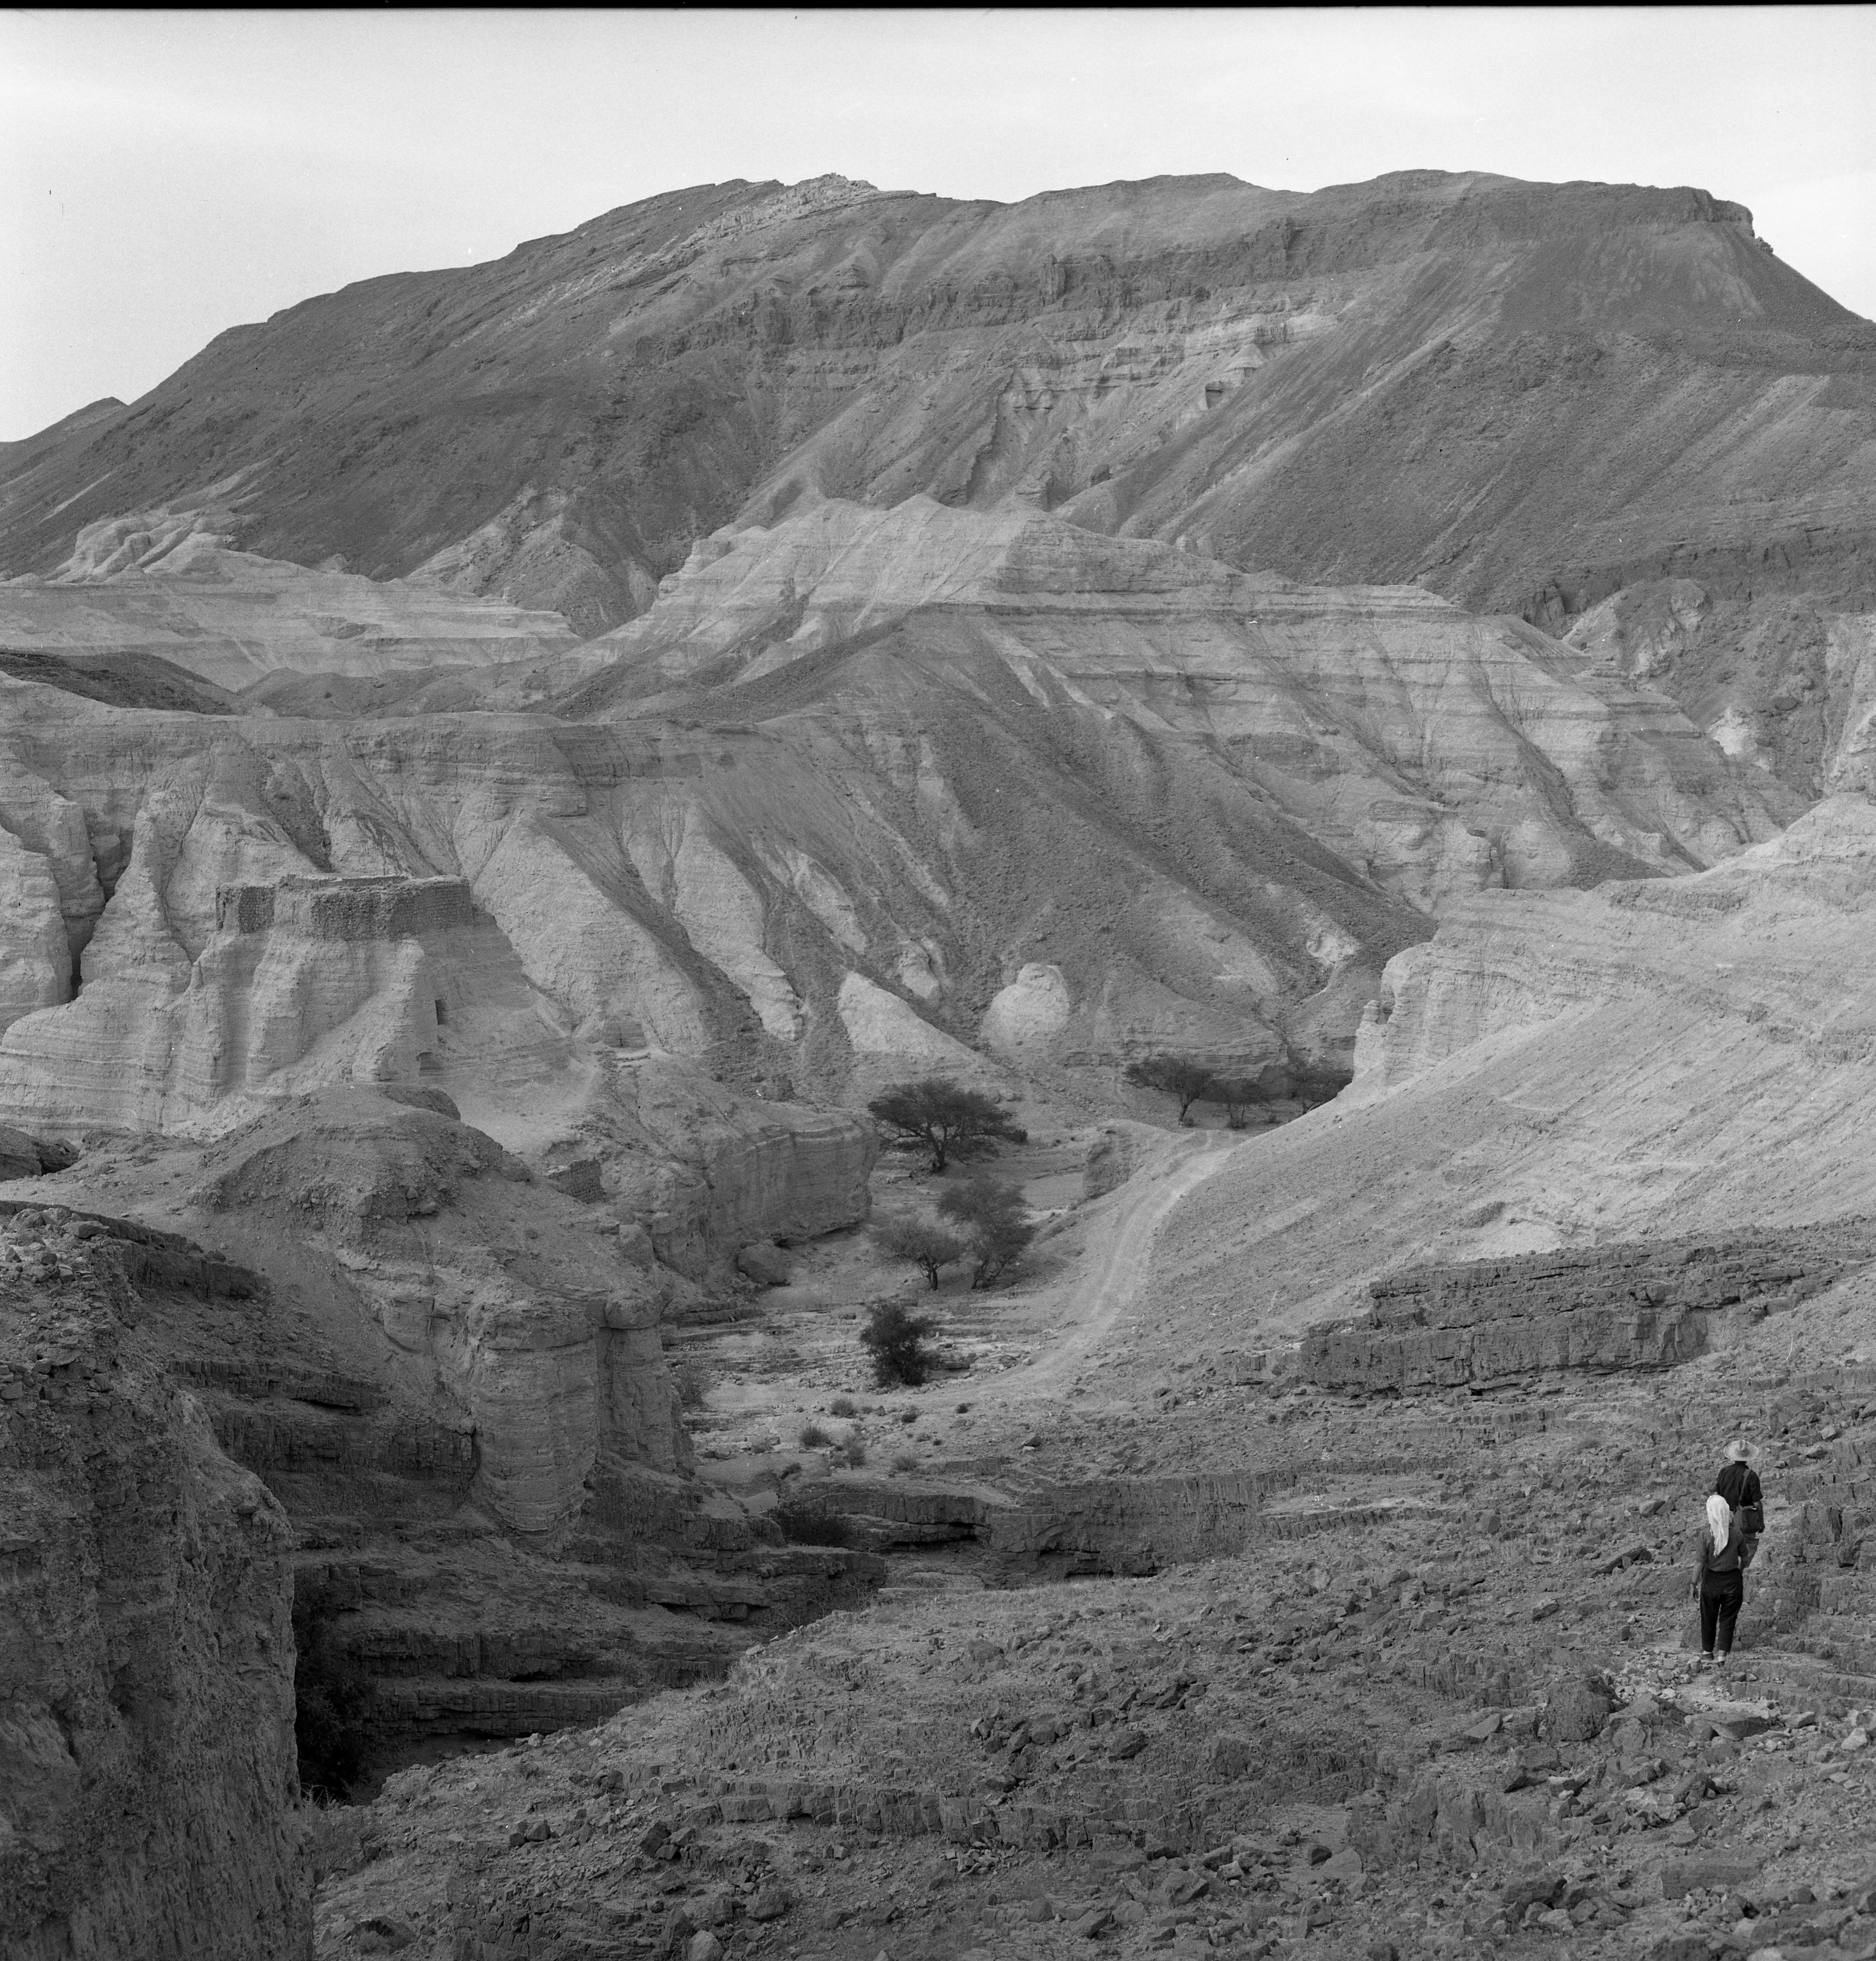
1559, 1068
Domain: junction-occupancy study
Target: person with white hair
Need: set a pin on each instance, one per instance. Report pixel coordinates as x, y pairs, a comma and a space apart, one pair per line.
1721, 1559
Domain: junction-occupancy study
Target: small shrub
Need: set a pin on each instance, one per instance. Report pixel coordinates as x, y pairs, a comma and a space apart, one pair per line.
895, 1341
693, 1384
906, 1460
333, 1698
809, 1524
813, 1437
843, 1406
908, 1416
856, 1452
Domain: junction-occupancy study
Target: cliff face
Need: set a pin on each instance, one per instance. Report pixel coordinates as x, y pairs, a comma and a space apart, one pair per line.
455, 1387
147, 1786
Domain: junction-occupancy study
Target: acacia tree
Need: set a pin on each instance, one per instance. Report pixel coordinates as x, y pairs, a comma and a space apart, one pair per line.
994, 1217
1239, 1094
925, 1243
1314, 1082
946, 1119
1178, 1076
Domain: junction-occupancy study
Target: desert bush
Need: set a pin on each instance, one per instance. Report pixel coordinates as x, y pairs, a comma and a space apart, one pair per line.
811, 1436
804, 1524
994, 1217
693, 1384
1318, 1082
1180, 1075
923, 1243
944, 1118
843, 1406
332, 1837
895, 1341
856, 1451
332, 1697
906, 1460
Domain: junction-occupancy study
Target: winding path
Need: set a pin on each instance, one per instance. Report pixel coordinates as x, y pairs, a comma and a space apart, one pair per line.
1115, 1259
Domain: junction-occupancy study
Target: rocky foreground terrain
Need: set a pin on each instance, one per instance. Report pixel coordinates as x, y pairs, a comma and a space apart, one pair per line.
497, 768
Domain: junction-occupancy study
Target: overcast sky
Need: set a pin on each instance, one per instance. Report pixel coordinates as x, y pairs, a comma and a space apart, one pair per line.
168, 175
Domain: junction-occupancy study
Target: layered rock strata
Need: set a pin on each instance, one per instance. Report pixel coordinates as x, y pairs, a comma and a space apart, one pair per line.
147, 1786
1259, 371
1637, 1306
157, 589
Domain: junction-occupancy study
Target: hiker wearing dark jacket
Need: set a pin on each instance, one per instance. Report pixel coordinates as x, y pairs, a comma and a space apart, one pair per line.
1719, 1577
1737, 1483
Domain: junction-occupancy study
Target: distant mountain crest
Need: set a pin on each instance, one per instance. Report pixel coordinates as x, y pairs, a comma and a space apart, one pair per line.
1530, 396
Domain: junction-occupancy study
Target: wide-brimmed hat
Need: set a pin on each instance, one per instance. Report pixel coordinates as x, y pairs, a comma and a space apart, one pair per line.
1740, 1452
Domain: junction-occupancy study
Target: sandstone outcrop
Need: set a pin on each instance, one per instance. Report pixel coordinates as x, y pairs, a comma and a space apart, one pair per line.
147, 1787
1621, 1307
274, 925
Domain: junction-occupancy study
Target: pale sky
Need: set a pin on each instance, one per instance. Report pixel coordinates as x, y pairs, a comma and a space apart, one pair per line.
163, 176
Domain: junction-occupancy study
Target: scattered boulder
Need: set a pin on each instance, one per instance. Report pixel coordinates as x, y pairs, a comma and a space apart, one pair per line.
1579, 1708
1703, 1872
19, 1155
24, 1156
767, 1265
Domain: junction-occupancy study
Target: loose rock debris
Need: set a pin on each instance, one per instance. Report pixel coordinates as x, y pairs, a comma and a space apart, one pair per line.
1455, 1730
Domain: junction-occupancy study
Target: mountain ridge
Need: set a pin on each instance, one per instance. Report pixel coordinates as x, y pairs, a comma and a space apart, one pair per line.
668, 286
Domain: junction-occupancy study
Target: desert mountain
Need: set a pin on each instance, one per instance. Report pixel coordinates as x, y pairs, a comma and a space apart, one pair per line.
1538, 399
495, 766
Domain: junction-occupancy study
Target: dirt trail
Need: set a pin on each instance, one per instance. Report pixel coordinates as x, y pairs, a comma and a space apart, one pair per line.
1114, 1262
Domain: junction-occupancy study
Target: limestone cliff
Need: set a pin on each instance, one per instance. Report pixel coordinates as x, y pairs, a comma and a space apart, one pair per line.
148, 1786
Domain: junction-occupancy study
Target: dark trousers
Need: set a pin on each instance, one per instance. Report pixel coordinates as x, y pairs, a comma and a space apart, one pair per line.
1721, 1596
